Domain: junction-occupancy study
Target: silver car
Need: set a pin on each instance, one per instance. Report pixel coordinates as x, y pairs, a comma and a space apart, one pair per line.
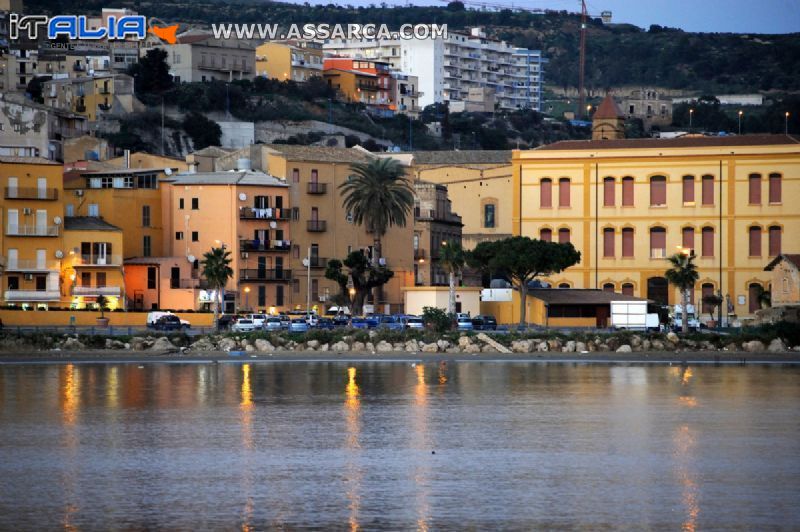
273, 324
298, 325
243, 325
413, 322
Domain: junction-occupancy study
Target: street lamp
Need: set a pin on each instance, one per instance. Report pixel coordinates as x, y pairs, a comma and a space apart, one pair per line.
786, 123
740, 122
247, 297
691, 115
307, 264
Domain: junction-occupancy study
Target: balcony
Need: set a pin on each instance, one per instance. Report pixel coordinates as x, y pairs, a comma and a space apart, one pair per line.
319, 262
259, 275
32, 230
317, 188
316, 226
188, 284
252, 213
30, 265
31, 193
32, 295
94, 291
94, 260
270, 245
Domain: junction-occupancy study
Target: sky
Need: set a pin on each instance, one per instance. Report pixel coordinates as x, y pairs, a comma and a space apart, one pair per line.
738, 16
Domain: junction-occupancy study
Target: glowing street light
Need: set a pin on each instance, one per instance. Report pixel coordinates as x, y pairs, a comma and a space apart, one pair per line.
691, 115
740, 122
786, 123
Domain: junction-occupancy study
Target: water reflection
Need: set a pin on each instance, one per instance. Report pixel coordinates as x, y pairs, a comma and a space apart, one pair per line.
246, 415
70, 402
421, 438
353, 475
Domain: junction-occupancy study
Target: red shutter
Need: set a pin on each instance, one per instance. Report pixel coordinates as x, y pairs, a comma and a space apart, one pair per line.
688, 189
608, 287
688, 238
608, 192
707, 290
755, 189
658, 190
608, 242
627, 242
627, 192
774, 188
563, 192
546, 235
708, 242
774, 241
755, 241
708, 190
627, 289
658, 241
546, 199
563, 236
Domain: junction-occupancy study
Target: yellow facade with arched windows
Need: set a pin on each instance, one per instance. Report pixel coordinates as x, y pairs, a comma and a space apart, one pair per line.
626, 205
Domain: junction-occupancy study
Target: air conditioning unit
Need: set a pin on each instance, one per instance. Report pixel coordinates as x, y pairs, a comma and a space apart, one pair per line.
27, 212
79, 192
245, 255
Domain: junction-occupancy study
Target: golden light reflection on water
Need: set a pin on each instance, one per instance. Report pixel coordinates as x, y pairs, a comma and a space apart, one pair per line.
112, 387
684, 441
421, 437
69, 394
353, 473
246, 415
442, 375
70, 403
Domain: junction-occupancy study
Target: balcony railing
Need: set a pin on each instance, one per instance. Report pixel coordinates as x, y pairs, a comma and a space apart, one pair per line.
260, 245
32, 295
189, 283
264, 275
658, 253
317, 226
317, 188
31, 193
32, 230
93, 260
30, 265
96, 291
252, 213
319, 262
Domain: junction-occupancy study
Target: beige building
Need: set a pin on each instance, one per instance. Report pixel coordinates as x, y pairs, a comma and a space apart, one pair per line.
608, 121
200, 57
651, 105
435, 225
92, 97
785, 281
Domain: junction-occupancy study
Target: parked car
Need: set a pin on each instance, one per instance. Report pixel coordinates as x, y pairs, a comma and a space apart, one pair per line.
258, 320
413, 322
225, 321
341, 320
273, 323
298, 325
464, 323
392, 323
312, 319
359, 323
153, 316
168, 322
325, 323
243, 325
285, 321
484, 323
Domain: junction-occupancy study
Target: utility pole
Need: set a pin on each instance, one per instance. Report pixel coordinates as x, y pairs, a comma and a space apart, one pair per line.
162, 125
582, 60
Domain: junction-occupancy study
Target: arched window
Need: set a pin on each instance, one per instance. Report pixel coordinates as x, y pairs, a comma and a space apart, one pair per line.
608, 287
627, 192
774, 188
546, 193
563, 235
608, 192
658, 191
627, 242
546, 235
688, 189
687, 238
563, 192
754, 192
755, 241
774, 240
627, 289
708, 242
658, 243
608, 242
564, 285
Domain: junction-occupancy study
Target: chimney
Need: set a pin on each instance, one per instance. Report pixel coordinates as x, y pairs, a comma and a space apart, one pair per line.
127, 159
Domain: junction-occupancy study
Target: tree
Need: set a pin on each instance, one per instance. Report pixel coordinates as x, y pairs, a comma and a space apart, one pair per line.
217, 270
524, 259
151, 73
102, 304
378, 196
683, 274
365, 277
35, 86
713, 301
204, 131
452, 259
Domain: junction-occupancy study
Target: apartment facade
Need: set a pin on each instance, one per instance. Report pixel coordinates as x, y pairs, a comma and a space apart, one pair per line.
627, 205
92, 97
92, 263
200, 57
289, 60
435, 225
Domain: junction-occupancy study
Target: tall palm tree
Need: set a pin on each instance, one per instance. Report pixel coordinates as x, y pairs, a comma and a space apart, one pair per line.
683, 274
217, 270
451, 259
378, 196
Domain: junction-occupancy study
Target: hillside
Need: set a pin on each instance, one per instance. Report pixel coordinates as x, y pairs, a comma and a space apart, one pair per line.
617, 54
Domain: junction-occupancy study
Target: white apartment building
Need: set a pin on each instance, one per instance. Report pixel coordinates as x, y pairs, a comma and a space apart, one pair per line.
448, 68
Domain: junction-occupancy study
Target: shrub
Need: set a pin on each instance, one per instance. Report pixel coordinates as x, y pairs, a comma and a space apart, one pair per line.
437, 319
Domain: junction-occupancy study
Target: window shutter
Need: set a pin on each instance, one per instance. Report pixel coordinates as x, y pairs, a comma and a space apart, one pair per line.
627, 289
563, 236
546, 199
755, 189
708, 190
608, 243
608, 192
707, 290
546, 235
708, 242
755, 241
563, 192
688, 189
688, 237
627, 242
658, 238
774, 188
627, 192
658, 190
774, 241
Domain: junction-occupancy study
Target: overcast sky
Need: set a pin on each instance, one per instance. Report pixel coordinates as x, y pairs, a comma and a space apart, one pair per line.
740, 16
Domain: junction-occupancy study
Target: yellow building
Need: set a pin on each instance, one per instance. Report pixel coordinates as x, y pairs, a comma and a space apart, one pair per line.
353, 86
626, 205
91, 97
289, 60
32, 235
92, 264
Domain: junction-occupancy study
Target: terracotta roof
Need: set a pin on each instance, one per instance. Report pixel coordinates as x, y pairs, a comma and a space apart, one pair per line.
320, 153
578, 296
680, 142
608, 108
88, 223
794, 258
241, 177
463, 157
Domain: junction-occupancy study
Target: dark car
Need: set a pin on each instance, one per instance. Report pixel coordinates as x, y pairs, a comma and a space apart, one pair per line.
359, 323
484, 323
170, 322
325, 323
341, 320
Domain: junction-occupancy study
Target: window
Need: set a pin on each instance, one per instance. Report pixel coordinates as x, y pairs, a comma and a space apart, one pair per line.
546, 193
706, 289
488, 215
608, 242
94, 210
608, 287
146, 246
314, 176
178, 235
658, 243
687, 238
708, 190
754, 182
262, 296
627, 242
546, 235
563, 235
296, 286
658, 191
195, 236
295, 175
151, 278
755, 241
314, 289
279, 295
195, 204
774, 188
13, 282
627, 289
608, 192
147, 181
563, 192
180, 203
563, 285
708, 242
69, 210
688, 190
627, 192
774, 240
145, 215
101, 279
754, 293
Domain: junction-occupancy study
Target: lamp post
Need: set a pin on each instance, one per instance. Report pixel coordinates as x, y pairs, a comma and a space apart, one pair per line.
307, 264
740, 122
247, 298
786, 123
691, 115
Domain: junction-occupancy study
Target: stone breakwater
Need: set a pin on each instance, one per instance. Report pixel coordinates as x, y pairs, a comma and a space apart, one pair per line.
373, 343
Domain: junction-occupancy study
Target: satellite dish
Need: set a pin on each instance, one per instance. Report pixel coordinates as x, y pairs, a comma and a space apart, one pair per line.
57, 220
191, 258
242, 196
273, 225
168, 171
59, 254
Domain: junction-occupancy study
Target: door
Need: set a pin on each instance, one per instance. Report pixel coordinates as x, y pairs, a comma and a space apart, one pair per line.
13, 259
41, 259
100, 253
13, 222
603, 313
657, 290
41, 283
314, 255
262, 267
13, 189
279, 268
41, 187
175, 277
41, 222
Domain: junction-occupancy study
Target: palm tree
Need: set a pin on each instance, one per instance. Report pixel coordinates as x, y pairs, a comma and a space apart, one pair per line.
451, 259
217, 270
683, 274
378, 196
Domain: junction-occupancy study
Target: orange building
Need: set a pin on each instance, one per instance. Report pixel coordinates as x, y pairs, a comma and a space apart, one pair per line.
359, 80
